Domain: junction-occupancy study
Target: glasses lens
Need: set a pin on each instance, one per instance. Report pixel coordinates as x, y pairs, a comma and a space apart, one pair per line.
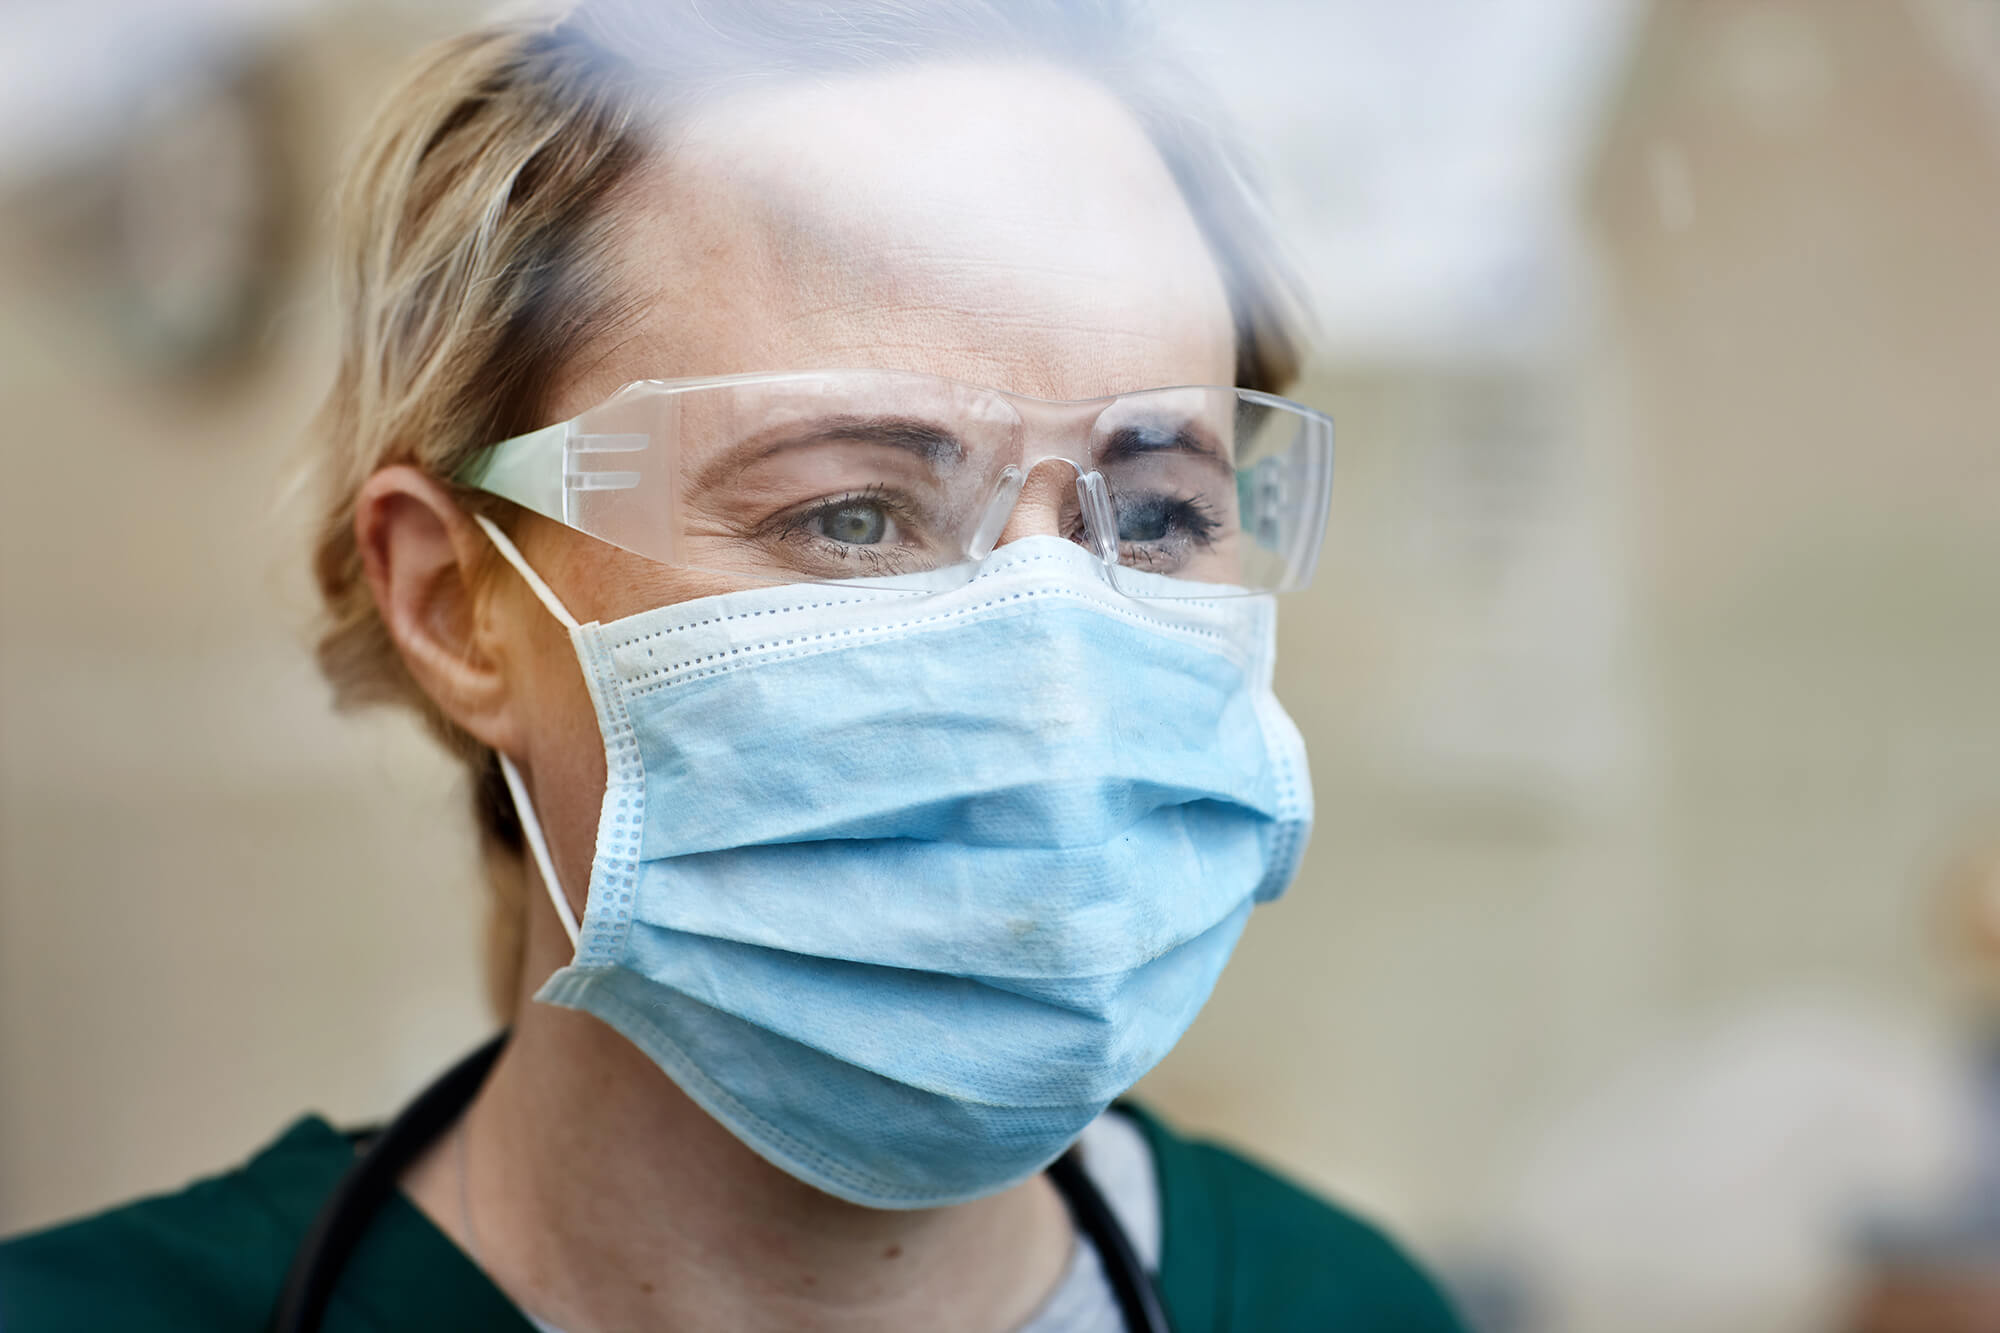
838, 477
1215, 491
849, 475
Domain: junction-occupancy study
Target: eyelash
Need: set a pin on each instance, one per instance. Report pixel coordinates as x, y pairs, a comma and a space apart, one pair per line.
795, 525
1191, 519
1196, 515
1193, 515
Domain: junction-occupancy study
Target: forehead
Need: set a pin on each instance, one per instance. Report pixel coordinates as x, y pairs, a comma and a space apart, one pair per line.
1008, 226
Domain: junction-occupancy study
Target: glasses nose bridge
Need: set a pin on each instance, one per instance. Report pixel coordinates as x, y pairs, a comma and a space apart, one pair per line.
1004, 517
1055, 430
1054, 436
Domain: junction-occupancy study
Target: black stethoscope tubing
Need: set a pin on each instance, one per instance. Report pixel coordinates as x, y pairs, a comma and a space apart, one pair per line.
368, 1184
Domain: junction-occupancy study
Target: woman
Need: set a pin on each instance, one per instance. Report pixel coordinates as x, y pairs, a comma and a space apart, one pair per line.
753, 450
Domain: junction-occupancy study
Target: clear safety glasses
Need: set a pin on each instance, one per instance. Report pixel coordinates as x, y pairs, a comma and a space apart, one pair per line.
837, 476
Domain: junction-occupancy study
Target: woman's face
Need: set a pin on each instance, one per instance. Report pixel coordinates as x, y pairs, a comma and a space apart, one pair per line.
1003, 226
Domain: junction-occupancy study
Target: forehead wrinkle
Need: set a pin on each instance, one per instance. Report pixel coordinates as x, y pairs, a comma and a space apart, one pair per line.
1017, 263
1048, 354
1138, 338
1022, 166
759, 260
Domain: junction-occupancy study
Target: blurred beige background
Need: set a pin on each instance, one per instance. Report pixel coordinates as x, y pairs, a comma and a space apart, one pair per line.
1651, 678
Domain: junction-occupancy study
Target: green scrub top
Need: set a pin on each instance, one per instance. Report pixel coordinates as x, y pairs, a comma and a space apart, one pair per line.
1241, 1250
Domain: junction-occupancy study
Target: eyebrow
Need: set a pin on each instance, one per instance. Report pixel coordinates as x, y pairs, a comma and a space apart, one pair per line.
1186, 438
924, 439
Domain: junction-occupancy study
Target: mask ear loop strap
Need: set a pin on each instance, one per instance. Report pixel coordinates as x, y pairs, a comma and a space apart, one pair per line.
531, 827
524, 808
512, 554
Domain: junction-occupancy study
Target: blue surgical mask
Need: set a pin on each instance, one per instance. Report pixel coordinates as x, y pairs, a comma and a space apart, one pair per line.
905, 889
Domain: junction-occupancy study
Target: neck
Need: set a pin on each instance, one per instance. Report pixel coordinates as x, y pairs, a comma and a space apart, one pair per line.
598, 1196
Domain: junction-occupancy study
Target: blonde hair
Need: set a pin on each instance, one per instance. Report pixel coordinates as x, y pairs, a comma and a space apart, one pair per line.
473, 223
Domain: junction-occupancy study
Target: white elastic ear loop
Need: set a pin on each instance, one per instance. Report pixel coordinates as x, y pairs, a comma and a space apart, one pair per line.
512, 553
537, 844
524, 808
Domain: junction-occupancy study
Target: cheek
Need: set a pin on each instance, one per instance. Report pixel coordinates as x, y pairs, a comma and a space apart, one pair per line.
560, 740
566, 756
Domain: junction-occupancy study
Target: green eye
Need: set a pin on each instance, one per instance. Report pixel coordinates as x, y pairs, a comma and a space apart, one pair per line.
853, 524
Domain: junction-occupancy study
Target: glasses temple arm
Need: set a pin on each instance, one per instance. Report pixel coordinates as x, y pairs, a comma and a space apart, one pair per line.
527, 469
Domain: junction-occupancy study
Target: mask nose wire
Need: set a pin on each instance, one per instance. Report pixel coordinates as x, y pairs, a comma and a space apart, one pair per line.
524, 807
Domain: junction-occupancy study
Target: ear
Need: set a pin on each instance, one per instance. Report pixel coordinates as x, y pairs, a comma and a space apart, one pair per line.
423, 556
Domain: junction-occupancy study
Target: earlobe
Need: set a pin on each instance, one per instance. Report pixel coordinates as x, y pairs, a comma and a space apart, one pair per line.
423, 555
